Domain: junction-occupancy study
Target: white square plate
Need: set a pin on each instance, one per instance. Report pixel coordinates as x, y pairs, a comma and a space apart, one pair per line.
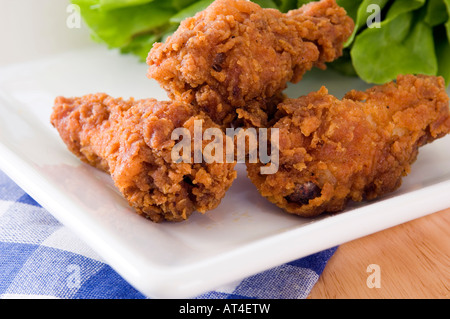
243, 236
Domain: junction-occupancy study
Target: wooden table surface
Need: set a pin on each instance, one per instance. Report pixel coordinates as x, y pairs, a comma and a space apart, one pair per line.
408, 261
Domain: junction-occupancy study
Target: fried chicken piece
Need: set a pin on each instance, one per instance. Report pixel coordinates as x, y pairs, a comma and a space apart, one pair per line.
358, 148
131, 140
234, 53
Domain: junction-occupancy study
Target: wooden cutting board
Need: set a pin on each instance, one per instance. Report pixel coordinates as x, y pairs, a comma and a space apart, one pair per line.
411, 260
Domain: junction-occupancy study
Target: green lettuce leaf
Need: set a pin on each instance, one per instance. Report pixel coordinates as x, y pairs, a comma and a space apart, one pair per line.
443, 52
436, 13
270, 4
351, 6
286, 5
399, 7
115, 4
117, 28
443, 44
362, 14
403, 44
190, 11
447, 24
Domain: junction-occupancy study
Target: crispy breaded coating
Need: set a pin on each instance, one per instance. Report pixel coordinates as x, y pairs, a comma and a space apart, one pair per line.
235, 53
357, 148
131, 140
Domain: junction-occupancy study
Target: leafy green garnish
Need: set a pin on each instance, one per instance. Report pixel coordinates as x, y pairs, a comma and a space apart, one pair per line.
190, 11
409, 39
401, 45
413, 36
115, 4
118, 28
363, 12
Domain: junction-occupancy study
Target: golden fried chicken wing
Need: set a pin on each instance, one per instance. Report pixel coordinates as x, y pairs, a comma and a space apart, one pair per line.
358, 148
132, 140
234, 53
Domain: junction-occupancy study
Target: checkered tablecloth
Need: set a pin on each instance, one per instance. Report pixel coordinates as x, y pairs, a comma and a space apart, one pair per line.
41, 258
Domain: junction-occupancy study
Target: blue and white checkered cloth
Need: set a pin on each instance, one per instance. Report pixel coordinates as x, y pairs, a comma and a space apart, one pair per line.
41, 258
